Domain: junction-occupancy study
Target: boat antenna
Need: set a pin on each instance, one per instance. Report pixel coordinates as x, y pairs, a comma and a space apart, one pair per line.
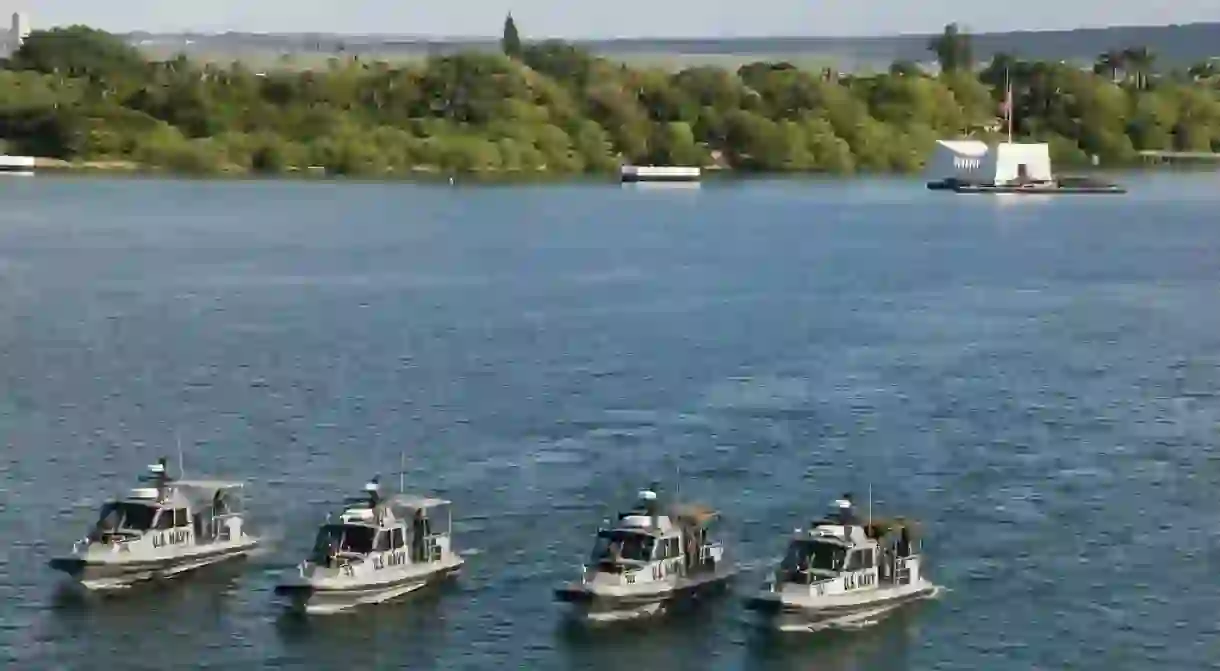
870, 505
402, 470
178, 440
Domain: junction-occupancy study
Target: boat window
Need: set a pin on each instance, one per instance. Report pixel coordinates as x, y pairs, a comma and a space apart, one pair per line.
813, 555
667, 549
673, 548
165, 520
181, 519
342, 538
357, 539
623, 545
327, 542
123, 515
137, 517
383, 542
396, 540
110, 517
860, 560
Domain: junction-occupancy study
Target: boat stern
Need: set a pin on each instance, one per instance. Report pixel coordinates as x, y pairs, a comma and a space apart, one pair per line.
74, 566
574, 593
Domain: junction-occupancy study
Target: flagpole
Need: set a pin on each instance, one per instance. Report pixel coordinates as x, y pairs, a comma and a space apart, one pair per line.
1008, 102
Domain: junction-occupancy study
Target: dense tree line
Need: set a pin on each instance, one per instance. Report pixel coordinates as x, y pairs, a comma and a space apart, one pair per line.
81, 94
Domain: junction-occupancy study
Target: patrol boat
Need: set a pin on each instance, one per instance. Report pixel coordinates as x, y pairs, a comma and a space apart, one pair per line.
379, 549
840, 572
159, 531
651, 559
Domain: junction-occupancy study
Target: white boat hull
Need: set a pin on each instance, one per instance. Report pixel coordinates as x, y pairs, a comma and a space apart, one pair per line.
597, 604
100, 572
330, 597
789, 613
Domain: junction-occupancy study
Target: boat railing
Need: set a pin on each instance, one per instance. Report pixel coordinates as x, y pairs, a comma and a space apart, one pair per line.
803, 578
902, 572
600, 568
115, 539
433, 547
218, 529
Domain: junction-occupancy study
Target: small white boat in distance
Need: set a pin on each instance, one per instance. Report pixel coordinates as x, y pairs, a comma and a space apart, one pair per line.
652, 559
840, 572
378, 550
17, 165
160, 531
659, 173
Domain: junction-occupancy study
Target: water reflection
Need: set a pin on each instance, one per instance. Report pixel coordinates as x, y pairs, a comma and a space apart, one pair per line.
681, 639
111, 625
885, 645
410, 632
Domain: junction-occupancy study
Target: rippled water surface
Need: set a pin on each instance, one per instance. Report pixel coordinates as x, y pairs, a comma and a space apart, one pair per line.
1037, 380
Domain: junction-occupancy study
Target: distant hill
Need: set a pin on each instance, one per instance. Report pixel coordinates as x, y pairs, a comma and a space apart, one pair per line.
1174, 46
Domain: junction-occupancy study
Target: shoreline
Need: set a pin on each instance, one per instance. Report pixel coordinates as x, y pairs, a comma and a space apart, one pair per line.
433, 175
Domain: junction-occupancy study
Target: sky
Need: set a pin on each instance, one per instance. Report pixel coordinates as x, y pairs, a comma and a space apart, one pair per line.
619, 18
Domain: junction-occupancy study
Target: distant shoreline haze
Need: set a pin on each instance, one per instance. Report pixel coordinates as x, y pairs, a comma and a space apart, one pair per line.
457, 38
516, 107
1182, 44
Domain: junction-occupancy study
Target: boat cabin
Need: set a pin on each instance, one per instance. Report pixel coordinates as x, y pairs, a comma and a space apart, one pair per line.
878, 551
172, 512
413, 529
673, 540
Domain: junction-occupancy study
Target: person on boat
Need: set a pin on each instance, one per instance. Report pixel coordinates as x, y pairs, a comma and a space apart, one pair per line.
887, 564
160, 479
846, 514
332, 551
108, 522
904, 543
616, 552
419, 529
648, 502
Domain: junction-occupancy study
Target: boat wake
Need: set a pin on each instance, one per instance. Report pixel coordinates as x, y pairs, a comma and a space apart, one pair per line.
751, 565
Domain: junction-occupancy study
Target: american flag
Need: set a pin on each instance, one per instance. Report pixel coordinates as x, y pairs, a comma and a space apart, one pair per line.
1006, 106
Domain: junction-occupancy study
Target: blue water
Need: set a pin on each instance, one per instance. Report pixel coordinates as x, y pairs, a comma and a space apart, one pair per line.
1037, 380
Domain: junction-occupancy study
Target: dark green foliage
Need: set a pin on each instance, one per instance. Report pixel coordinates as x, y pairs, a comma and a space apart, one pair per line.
83, 95
511, 42
76, 51
954, 49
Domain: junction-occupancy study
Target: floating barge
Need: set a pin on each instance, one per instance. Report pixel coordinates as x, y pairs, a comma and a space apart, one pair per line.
1059, 186
659, 173
971, 166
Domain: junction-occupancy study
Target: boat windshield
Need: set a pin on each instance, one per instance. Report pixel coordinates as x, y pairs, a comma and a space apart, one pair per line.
126, 516
334, 538
612, 546
810, 555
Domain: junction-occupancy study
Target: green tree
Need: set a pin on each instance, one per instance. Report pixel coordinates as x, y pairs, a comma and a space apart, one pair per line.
905, 68
953, 48
77, 51
510, 43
